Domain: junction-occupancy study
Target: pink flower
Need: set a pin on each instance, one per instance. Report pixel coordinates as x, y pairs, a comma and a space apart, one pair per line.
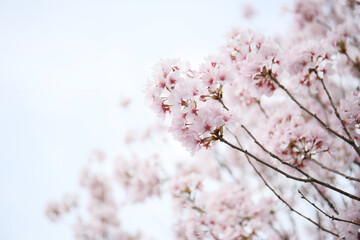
350, 113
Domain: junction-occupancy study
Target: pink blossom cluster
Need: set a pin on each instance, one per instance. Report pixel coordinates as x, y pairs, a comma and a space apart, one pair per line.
140, 179
55, 209
308, 62
307, 11
227, 213
184, 188
296, 139
193, 99
99, 218
255, 58
285, 116
294, 119
102, 221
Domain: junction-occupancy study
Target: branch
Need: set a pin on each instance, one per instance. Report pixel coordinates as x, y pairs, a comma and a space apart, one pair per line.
287, 204
326, 214
277, 195
262, 162
309, 178
327, 200
222, 103
261, 108
314, 115
335, 171
225, 166
212, 234
337, 114
202, 211
355, 64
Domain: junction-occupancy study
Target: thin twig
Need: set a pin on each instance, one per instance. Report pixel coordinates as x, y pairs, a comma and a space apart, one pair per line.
356, 65
326, 214
277, 195
335, 171
288, 205
327, 200
317, 98
263, 162
318, 217
328, 28
225, 166
281, 236
222, 103
201, 211
357, 163
337, 113
312, 114
261, 108
309, 178
212, 234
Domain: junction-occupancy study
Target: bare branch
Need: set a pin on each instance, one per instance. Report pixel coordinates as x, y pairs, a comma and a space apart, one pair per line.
261, 108
308, 179
225, 166
277, 195
355, 64
337, 113
335, 171
327, 200
314, 115
288, 205
326, 214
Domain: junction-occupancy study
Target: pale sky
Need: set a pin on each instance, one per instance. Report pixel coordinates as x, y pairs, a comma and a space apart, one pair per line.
64, 68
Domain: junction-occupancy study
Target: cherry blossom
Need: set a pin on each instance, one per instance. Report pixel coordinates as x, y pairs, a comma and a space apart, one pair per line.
272, 125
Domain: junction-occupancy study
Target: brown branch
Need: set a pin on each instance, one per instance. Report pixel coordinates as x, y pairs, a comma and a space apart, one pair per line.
312, 114
357, 163
317, 98
276, 194
288, 205
201, 211
262, 162
261, 108
337, 114
327, 200
225, 166
335, 171
222, 103
212, 234
355, 64
281, 236
326, 214
308, 179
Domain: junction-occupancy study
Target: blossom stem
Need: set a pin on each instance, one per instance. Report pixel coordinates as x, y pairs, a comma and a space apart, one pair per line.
222, 103
261, 108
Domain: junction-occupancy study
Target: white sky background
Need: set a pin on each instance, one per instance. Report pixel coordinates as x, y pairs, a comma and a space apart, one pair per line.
64, 68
